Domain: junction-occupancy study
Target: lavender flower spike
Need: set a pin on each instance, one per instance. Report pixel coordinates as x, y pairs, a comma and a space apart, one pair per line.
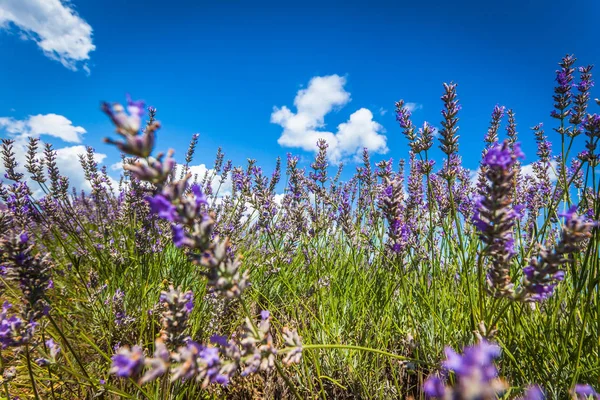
128, 363
476, 374
543, 273
494, 215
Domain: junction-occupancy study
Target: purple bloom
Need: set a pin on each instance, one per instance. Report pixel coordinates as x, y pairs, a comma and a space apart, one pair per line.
568, 215
477, 359
53, 347
10, 330
179, 237
24, 238
434, 387
200, 197
585, 392
127, 363
502, 157
135, 108
533, 392
161, 206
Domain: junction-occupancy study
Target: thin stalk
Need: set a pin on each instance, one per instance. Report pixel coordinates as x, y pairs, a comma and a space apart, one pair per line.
29, 369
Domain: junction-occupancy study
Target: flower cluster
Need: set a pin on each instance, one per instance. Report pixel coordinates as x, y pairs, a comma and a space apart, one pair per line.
32, 274
176, 309
475, 371
191, 226
216, 363
543, 273
495, 215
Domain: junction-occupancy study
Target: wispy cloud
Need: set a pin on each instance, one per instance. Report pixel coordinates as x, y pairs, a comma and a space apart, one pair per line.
413, 106
54, 26
304, 127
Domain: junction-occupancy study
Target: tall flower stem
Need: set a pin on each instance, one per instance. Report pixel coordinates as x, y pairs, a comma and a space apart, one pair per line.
66, 341
4, 382
29, 369
359, 348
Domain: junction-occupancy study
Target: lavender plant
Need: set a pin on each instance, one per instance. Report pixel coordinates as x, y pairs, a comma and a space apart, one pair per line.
153, 288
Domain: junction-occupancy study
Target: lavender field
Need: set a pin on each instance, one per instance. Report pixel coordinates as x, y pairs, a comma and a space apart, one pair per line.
412, 279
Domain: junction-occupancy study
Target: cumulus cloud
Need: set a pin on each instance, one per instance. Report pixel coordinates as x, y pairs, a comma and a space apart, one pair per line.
198, 171
526, 170
57, 126
54, 26
67, 161
49, 124
118, 166
304, 127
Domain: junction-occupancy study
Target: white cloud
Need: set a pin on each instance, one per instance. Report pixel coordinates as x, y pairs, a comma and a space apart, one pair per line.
527, 170
118, 166
413, 106
200, 170
67, 159
54, 26
49, 124
303, 128
382, 111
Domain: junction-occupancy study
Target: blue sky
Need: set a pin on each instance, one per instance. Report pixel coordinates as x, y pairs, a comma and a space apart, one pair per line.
219, 68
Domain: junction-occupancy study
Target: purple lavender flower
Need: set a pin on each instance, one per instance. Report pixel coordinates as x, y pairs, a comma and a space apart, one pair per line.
199, 362
11, 328
158, 365
543, 272
127, 362
533, 392
476, 374
177, 306
128, 126
494, 217
585, 392
161, 206
502, 158
434, 387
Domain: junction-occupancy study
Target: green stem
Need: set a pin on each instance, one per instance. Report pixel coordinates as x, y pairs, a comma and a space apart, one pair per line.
4, 382
29, 369
64, 338
289, 383
359, 348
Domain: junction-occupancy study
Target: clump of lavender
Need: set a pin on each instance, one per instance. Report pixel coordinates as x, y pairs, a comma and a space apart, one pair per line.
192, 227
495, 216
128, 362
13, 330
543, 273
294, 342
209, 364
117, 302
258, 351
32, 274
320, 164
176, 309
477, 376
52, 349
391, 203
